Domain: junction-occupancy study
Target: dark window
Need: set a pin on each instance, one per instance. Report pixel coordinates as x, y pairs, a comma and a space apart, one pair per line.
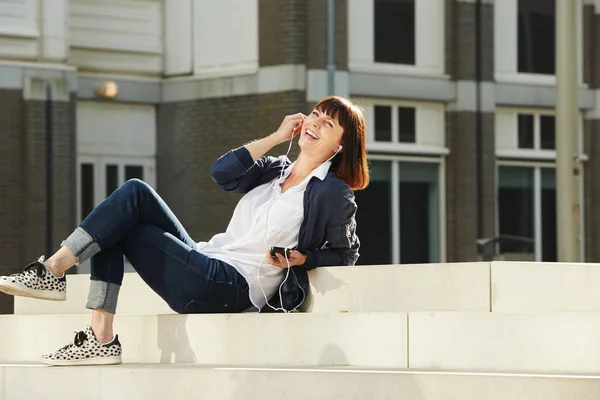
515, 207
549, 215
383, 124
112, 179
536, 36
419, 213
373, 222
525, 132
134, 171
406, 124
87, 189
395, 31
547, 132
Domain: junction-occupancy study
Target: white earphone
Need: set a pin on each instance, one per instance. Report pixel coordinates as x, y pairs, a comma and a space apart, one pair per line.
339, 148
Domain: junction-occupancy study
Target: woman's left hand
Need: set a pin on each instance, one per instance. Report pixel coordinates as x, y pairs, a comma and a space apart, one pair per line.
295, 258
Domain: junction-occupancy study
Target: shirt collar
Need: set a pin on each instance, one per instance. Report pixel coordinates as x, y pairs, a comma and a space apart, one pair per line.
319, 172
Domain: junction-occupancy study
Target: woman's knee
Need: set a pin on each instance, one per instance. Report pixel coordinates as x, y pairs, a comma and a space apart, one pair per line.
135, 184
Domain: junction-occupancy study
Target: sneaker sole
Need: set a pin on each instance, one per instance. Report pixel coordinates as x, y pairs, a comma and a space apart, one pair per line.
18, 290
87, 361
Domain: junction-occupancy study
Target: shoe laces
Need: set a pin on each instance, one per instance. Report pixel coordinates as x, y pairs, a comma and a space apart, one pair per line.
37, 266
80, 338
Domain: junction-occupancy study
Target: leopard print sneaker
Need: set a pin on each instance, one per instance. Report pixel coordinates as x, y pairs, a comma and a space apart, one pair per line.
35, 281
86, 350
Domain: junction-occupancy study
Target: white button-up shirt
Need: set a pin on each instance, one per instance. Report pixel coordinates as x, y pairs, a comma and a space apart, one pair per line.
264, 217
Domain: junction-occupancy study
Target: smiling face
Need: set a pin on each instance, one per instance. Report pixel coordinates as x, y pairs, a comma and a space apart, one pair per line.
321, 135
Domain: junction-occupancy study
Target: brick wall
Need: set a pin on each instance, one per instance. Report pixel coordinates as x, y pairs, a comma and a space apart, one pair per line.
63, 173
282, 32
461, 166
12, 180
193, 134
317, 34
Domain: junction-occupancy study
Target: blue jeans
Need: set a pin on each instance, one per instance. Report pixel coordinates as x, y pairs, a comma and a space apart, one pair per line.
136, 223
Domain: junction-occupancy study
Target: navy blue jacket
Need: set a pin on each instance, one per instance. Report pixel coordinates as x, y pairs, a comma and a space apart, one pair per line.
328, 230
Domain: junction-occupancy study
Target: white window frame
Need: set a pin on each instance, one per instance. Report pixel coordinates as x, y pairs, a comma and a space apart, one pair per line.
430, 127
395, 200
537, 203
100, 163
506, 46
536, 153
429, 40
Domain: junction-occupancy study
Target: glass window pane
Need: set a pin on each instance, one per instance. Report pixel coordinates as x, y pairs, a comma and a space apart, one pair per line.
112, 179
536, 36
419, 213
525, 131
547, 132
394, 31
406, 124
383, 123
515, 207
549, 214
134, 171
373, 218
87, 189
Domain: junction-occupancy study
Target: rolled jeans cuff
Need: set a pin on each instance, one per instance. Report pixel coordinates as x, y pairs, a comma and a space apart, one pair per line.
82, 245
103, 295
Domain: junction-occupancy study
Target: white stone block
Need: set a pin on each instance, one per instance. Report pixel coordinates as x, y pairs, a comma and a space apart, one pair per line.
133, 382
545, 287
505, 342
417, 287
365, 340
135, 297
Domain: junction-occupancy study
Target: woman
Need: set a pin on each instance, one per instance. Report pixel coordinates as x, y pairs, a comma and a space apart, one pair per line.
307, 206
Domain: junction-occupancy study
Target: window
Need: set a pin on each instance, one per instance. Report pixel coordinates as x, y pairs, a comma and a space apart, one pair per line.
404, 127
384, 115
394, 31
396, 36
525, 134
401, 218
527, 209
100, 176
524, 40
526, 203
403, 208
536, 36
536, 132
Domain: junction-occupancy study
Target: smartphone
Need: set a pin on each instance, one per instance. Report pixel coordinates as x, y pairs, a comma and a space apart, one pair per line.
280, 250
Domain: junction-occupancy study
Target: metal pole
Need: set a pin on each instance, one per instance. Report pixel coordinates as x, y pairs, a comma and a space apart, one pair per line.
567, 193
330, 47
49, 247
479, 127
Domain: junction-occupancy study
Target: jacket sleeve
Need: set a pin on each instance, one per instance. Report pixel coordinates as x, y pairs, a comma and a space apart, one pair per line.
236, 171
342, 244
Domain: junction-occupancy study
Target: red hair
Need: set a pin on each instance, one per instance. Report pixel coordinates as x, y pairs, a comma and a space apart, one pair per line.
350, 165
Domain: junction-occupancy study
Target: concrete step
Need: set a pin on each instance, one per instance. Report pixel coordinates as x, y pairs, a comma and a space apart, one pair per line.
427, 287
545, 287
542, 343
134, 382
498, 286
366, 340
545, 343
135, 297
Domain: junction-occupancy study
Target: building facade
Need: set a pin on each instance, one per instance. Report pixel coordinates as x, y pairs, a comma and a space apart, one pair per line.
459, 103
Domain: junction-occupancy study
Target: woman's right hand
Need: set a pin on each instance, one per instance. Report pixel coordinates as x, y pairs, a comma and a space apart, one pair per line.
289, 128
